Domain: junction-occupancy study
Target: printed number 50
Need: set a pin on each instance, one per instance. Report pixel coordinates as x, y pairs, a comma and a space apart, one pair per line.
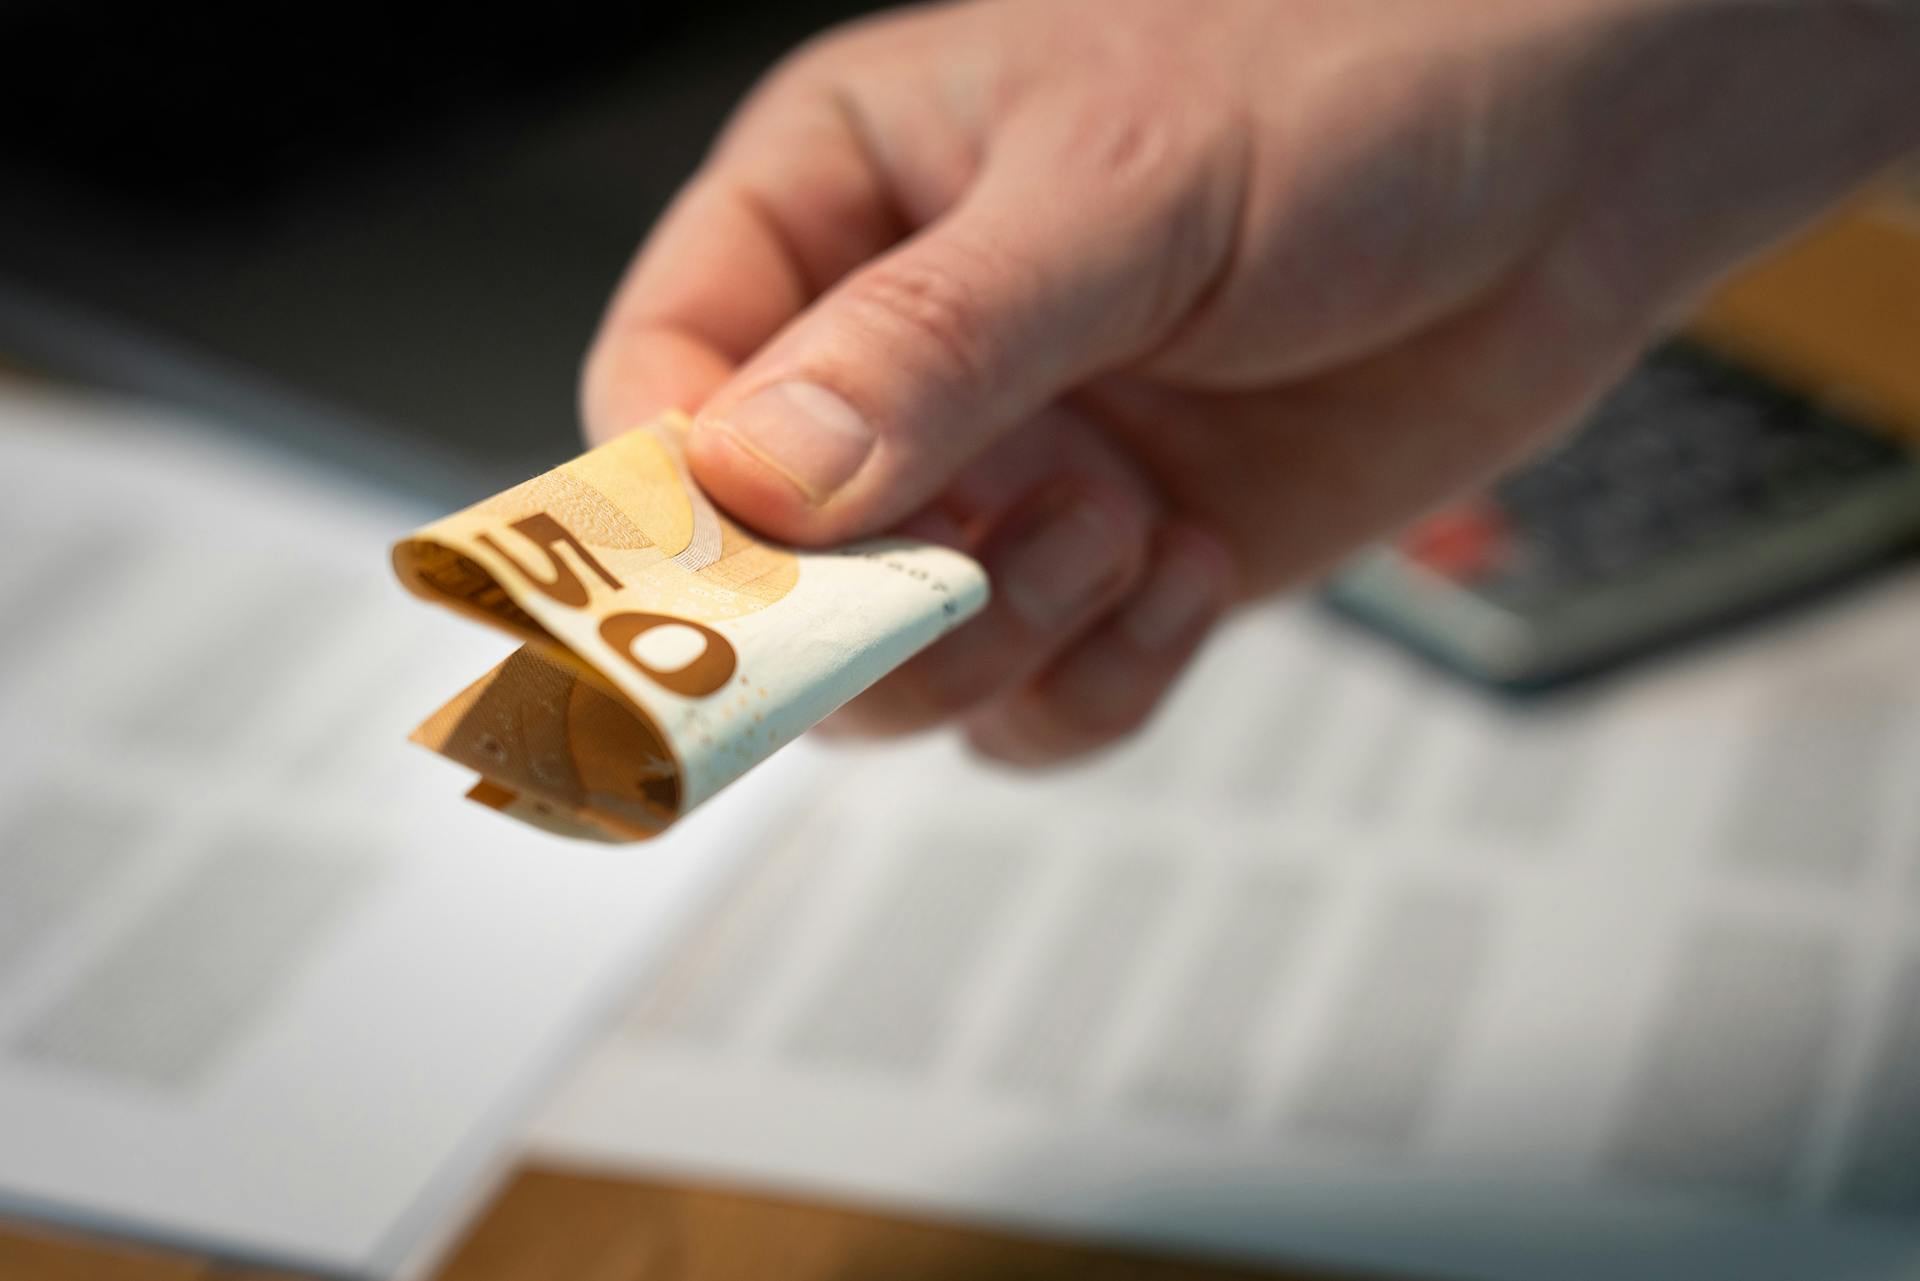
708, 672
545, 533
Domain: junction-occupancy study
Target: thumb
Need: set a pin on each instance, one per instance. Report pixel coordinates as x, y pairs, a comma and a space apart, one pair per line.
870, 401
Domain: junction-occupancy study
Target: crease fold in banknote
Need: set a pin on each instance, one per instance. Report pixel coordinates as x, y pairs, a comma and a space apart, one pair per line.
666, 651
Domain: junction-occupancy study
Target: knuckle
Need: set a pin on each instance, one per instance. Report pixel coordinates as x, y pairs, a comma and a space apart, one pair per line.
945, 690
1129, 145
1130, 517
1151, 139
809, 70
912, 700
1180, 172
842, 50
1094, 721
926, 701
1067, 726
825, 50
1020, 748
942, 315
890, 709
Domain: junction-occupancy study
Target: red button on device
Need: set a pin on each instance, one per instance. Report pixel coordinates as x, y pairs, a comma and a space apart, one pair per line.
1462, 543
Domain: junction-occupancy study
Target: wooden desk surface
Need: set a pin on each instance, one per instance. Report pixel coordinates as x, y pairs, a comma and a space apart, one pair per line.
1838, 312
551, 1226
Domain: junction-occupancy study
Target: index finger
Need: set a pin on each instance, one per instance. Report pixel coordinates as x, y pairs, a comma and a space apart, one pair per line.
788, 202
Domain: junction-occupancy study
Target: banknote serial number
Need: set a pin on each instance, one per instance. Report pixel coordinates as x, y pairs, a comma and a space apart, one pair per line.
949, 608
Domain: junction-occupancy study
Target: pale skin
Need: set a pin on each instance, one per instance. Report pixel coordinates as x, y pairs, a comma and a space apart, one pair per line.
1162, 307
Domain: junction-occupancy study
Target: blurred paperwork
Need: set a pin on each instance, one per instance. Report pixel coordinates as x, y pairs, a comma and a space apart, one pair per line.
265, 990
1343, 962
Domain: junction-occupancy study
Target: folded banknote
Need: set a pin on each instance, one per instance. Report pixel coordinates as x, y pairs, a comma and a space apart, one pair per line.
667, 651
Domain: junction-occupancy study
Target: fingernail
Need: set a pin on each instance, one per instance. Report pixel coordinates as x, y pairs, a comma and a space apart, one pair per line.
1050, 571
804, 431
1177, 598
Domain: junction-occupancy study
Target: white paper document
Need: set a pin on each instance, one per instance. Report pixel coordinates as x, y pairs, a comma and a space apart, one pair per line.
268, 986
1345, 962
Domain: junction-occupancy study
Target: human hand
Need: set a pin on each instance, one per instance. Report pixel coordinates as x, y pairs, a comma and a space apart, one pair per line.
1158, 308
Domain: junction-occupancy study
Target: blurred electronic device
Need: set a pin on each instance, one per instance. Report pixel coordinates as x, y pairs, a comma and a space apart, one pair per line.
1695, 493
1726, 475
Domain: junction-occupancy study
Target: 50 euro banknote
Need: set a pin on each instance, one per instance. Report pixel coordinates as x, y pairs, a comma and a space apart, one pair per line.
667, 650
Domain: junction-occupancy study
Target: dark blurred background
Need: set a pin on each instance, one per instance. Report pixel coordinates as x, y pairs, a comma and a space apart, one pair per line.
384, 234
342, 223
